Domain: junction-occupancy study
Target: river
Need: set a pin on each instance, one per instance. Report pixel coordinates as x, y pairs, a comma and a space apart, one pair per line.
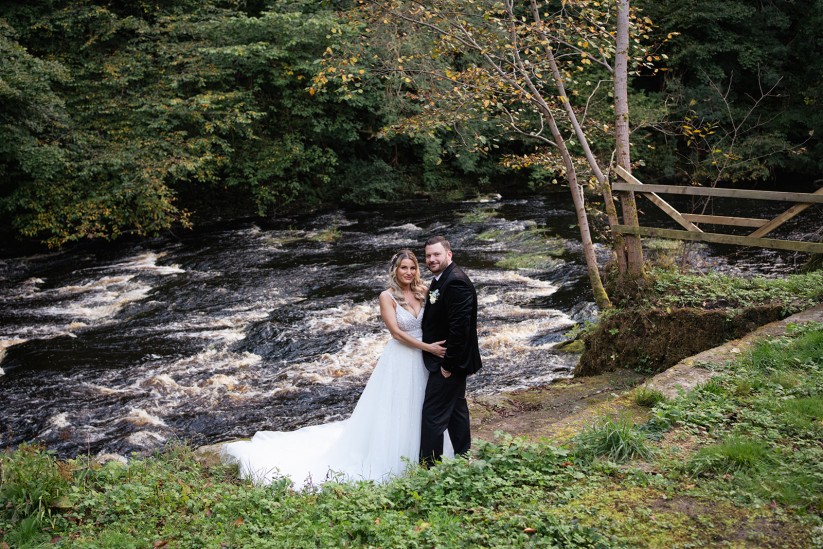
213, 334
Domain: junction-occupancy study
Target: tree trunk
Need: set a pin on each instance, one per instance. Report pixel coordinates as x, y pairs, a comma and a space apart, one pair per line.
605, 188
601, 298
611, 212
633, 247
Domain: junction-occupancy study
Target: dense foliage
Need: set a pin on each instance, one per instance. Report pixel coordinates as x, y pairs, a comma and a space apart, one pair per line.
738, 460
122, 118
133, 117
744, 88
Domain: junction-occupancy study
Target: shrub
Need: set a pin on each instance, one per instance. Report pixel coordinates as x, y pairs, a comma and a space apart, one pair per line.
618, 441
647, 397
27, 532
30, 481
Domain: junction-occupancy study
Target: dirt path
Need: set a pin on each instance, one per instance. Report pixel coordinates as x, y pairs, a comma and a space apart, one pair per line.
560, 410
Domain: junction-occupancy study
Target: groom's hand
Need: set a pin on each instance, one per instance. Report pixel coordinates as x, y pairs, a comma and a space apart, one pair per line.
445, 373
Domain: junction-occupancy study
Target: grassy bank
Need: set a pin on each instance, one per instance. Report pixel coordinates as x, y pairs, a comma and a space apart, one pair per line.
736, 462
646, 332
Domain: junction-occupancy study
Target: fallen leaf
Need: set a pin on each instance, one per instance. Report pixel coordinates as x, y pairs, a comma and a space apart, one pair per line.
239, 522
159, 543
529, 531
62, 503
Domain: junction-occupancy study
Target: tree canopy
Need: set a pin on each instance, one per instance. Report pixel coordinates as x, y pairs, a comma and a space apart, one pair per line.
135, 117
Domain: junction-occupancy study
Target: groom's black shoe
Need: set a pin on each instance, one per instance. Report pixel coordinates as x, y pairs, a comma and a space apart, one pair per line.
428, 461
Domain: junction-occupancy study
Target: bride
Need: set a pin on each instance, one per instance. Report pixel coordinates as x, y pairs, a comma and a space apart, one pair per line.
382, 436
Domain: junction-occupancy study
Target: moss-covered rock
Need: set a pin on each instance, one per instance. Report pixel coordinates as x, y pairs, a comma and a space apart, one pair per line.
651, 340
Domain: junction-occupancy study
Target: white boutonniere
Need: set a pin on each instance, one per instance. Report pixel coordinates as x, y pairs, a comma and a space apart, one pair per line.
433, 295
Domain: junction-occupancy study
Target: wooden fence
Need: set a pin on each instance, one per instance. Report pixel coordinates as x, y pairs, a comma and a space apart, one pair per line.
693, 232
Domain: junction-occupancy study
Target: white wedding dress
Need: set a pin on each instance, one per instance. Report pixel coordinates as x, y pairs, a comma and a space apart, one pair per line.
379, 441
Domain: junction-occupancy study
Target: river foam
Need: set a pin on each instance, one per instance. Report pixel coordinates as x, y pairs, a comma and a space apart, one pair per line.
221, 333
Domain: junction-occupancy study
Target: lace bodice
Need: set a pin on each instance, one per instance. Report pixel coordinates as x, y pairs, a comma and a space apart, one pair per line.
408, 322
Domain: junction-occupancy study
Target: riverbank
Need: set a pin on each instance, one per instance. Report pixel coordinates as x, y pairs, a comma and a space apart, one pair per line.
560, 410
735, 462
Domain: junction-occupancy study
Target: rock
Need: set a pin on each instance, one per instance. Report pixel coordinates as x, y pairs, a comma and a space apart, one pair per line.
103, 459
653, 340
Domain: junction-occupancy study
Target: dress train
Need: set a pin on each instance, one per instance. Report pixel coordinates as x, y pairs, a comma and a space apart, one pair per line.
379, 441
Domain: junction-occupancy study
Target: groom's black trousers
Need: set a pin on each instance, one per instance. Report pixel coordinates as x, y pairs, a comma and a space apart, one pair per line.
444, 408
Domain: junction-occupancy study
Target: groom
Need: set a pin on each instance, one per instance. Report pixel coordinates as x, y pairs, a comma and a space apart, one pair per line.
451, 315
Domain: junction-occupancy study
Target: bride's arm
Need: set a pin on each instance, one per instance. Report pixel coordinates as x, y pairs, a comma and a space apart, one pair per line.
389, 314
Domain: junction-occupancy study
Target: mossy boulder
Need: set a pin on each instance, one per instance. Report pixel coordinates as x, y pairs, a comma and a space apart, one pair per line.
652, 340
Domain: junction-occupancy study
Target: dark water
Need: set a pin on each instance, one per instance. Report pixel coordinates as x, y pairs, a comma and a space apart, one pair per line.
220, 333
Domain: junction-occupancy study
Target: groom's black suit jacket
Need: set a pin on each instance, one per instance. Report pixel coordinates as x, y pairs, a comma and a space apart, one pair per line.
452, 317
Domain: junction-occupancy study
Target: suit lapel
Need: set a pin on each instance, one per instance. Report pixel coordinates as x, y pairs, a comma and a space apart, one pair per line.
446, 274
435, 284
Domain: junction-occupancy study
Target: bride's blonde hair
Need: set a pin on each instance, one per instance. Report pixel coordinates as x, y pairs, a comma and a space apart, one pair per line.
417, 287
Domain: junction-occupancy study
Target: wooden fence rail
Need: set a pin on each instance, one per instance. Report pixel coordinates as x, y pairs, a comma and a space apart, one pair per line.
694, 233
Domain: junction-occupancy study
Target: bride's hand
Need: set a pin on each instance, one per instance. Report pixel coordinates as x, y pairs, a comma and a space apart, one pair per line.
437, 348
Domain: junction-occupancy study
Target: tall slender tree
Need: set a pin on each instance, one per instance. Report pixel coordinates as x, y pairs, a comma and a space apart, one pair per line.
633, 248
529, 65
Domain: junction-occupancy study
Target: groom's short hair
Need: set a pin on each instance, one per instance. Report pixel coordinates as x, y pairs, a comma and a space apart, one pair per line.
439, 240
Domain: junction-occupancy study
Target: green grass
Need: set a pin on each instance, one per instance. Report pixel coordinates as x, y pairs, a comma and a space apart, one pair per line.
732, 454
328, 235
748, 470
761, 422
797, 415
531, 248
30, 482
794, 293
647, 397
478, 215
537, 260
616, 440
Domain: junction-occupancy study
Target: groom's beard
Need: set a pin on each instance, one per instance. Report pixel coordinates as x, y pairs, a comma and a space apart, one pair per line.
442, 267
